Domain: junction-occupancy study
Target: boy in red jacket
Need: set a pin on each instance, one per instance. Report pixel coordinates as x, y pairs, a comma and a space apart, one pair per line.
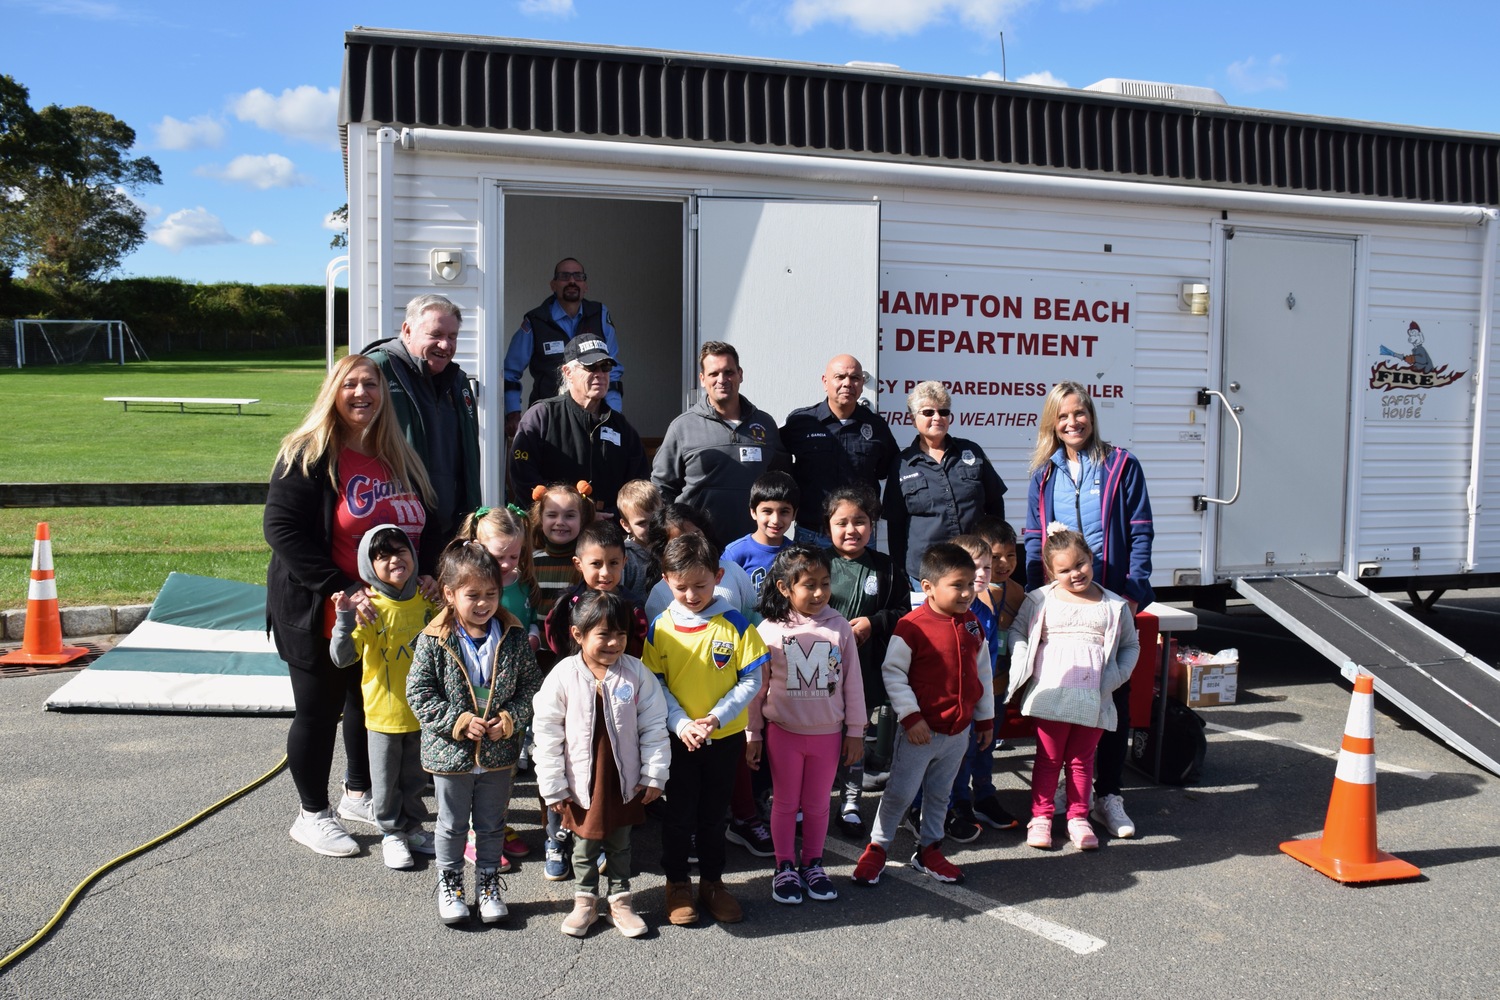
937, 690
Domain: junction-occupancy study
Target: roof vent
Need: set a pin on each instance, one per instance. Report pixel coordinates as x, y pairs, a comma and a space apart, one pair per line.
1157, 91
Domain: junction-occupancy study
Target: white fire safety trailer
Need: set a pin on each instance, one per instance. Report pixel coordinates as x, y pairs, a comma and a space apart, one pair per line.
1289, 320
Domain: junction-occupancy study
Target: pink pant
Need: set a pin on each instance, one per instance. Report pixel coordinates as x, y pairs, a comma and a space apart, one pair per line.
802, 772
1060, 744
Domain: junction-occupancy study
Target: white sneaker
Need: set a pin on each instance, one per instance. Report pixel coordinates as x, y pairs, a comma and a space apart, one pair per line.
1060, 800
487, 886
1110, 811
396, 852
358, 810
453, 908
323, 834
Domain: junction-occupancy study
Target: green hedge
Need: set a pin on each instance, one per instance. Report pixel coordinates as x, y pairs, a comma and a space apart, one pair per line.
168, 315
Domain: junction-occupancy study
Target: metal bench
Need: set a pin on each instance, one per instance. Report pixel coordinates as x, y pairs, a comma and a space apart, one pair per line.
182, 402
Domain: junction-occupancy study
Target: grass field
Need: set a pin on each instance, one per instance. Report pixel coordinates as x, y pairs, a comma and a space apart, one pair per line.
59, 429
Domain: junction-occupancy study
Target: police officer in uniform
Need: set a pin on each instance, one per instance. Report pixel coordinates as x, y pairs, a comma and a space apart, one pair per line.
543, 335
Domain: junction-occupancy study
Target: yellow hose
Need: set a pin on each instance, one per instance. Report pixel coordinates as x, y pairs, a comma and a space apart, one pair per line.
78, 890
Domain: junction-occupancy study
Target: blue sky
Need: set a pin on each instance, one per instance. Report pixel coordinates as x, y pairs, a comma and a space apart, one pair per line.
239, 108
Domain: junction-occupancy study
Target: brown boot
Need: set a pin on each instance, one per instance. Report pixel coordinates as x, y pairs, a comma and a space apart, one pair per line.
680, 908
719, 903
624, 917
585, 912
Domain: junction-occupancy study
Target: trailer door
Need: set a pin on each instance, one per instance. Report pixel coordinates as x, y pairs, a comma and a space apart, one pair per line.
1288, 333
790, 284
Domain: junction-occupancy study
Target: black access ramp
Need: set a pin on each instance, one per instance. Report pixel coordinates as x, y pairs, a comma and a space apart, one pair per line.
1453, 695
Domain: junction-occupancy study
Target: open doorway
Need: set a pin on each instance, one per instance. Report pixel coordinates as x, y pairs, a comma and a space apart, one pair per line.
633, 253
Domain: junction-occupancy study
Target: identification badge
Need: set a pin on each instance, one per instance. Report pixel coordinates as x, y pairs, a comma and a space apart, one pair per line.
624, 691
866, 431
611, 435
967, 457
553, 347
749, 453
872, 586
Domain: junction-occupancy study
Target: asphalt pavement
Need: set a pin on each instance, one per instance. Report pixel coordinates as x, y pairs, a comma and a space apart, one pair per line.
1201, 903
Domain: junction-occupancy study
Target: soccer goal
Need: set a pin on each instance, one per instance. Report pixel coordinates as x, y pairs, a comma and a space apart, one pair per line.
71, 342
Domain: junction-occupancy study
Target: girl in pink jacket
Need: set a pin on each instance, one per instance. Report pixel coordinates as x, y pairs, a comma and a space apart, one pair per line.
601, 754
808, 716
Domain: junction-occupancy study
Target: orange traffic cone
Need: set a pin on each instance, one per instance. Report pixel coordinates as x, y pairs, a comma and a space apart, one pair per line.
43, 640
1346, 851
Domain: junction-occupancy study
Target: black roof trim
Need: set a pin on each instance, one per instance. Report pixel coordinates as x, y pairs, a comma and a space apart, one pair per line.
417, 79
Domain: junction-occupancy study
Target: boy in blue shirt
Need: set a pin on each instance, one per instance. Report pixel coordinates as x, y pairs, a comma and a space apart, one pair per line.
773, 504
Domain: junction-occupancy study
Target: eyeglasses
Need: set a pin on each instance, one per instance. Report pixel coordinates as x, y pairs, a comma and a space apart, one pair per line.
929, 412
570, 276
608, 365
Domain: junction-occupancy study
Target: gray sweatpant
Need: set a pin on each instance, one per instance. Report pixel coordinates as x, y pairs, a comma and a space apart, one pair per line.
397, 781
932, 768
484, 796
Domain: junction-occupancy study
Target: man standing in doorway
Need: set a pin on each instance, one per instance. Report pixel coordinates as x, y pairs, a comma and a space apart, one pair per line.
713, 453
836, 442
539, 342
434, 404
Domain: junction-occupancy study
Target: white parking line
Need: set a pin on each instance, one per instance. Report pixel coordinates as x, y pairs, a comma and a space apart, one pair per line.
1075, 941
1245, 734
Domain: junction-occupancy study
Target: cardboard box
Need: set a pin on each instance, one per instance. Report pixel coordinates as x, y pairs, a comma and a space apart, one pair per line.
1198, 685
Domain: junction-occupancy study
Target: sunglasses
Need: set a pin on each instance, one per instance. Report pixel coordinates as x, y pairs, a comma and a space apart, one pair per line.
600, 366
940, 412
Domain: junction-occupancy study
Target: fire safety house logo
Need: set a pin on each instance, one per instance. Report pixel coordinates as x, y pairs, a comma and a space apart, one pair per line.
1411, 368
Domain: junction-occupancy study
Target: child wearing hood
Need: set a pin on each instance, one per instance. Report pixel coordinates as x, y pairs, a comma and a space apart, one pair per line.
383, 648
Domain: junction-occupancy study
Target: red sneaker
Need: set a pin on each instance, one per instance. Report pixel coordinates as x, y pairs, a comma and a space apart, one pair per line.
514, 845
930, 861
871, 864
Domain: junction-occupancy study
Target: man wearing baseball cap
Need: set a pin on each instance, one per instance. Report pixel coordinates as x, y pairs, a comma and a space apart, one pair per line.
576, 434
537, 345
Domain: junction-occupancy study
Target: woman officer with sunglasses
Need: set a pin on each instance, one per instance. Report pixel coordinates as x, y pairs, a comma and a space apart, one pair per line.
941, 485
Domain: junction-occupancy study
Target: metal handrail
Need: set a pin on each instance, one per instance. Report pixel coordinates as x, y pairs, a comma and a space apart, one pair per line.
1201, 502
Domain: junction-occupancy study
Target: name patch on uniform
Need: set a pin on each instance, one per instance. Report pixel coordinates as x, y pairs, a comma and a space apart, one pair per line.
722, 651
553, 347
610, 434
749, 453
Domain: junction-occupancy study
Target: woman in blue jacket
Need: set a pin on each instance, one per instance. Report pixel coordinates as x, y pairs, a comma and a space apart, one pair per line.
1098, 490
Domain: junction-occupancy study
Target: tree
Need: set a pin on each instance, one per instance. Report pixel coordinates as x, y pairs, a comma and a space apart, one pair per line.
340, 215
67, 217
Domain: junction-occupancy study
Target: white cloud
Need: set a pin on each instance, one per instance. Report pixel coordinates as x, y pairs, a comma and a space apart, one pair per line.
198, 132
260, 172
548, 8
191, 227
1251, 75
259, 239
333, 224
304, 112
901, 17
1042, 79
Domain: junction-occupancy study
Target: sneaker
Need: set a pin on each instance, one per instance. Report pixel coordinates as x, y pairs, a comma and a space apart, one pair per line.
752, 835
487, 886
557, 868
622, 914
719, 902
1039, 832
960, 825
913, 821
419, 841
1082, 834
989, 812
850, 821
359, 809
473, 858
1109, 810
819, 886
397, 854
452, 907
680, 907
870, 866
786, 885
874, 781
323, 834
585, 912
515, 847
523, 761
929, 860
